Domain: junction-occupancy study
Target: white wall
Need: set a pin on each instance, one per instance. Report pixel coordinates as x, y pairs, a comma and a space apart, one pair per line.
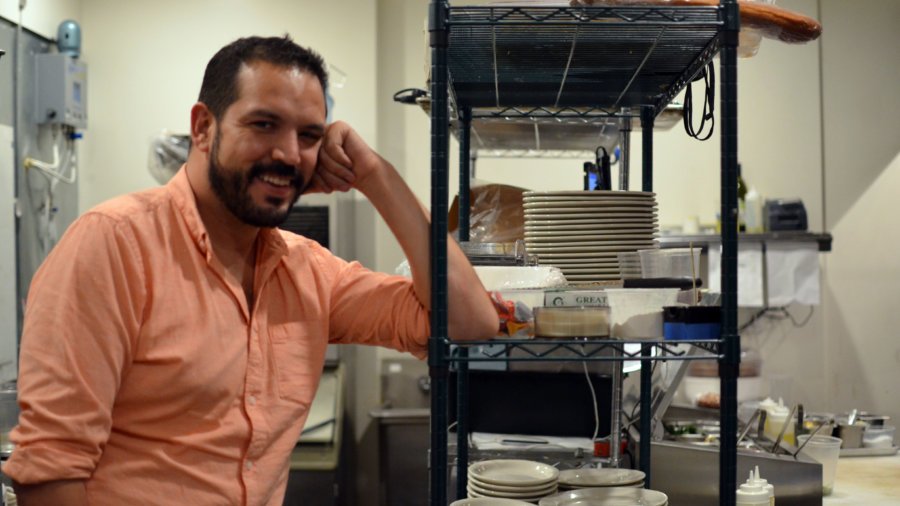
42, 16
146, 63
862, 180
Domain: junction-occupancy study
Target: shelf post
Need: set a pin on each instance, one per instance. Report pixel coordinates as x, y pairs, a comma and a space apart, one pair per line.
646, 409
647, 117
729, 362
625, 154
437, 347
465, 173
462, 367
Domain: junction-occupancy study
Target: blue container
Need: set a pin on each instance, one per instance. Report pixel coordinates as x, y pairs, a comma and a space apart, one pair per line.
68, 38
692, 323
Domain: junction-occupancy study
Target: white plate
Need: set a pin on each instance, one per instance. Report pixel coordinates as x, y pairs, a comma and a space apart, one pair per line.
571, 228
597, 238
562, 488
607, 231
575, 478
550, 258
522, 494
591, 204
607, 496
489, 501
528, 500
536, 220
578, 247
584, 263
513, 472
575, 213
586, 193
588, 198
500, 489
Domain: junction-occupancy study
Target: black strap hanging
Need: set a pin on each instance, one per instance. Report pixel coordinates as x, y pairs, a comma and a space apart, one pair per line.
708, 74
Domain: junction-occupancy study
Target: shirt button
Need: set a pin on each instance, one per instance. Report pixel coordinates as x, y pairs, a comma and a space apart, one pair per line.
251, 400
248, 465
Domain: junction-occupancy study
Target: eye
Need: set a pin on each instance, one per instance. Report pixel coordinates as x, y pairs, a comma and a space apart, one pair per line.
310, 137
263, 125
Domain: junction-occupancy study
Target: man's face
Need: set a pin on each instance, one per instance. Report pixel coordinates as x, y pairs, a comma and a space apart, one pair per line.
266, 144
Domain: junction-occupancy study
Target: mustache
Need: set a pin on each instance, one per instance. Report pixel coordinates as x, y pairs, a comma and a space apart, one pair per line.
275, 169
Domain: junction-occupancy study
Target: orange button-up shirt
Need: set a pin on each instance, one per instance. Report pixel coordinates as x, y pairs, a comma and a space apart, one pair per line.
144, 372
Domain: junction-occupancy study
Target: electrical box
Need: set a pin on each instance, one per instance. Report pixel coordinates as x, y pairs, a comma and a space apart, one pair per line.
61, 90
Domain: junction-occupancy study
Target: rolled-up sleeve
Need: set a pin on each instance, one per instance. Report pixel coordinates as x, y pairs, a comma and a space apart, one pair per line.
374, 308
83, 312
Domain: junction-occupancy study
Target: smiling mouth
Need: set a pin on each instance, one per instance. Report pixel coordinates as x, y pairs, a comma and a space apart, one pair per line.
279, 181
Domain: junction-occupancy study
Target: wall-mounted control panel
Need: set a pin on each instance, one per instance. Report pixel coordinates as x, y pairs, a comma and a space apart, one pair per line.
61, 90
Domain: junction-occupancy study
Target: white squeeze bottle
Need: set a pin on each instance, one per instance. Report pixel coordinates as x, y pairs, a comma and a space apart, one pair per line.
765, 485
777, 417
753, 204
751, 494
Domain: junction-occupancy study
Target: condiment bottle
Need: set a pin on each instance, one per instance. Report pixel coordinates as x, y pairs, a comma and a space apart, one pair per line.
777, 417
765, 485
751, 494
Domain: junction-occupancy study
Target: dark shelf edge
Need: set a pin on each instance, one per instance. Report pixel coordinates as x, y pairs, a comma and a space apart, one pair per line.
823, 239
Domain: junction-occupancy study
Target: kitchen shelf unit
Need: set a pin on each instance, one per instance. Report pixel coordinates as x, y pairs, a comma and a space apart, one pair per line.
504, 62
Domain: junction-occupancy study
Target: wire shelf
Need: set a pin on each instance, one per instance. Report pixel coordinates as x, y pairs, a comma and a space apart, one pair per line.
578, 350
603, 58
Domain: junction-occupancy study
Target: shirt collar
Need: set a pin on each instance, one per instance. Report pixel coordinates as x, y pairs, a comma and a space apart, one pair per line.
186, 202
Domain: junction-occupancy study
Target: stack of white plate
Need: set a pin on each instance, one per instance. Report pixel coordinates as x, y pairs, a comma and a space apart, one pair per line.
607, 496
582, 232
524, 480
595, 478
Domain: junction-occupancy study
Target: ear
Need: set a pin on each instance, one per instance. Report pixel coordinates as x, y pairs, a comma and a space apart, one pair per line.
203, 125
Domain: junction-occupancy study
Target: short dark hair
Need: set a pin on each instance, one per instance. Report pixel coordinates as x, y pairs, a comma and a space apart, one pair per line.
219, 89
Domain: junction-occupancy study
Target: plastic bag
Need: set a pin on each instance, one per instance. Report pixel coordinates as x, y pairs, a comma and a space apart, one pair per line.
516, 318
168, 152
496, 213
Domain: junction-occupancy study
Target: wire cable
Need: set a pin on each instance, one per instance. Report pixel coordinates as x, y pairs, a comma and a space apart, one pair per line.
708, 74
593, 398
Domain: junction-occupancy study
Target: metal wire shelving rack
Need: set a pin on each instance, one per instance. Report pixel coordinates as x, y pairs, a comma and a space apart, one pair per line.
556, 64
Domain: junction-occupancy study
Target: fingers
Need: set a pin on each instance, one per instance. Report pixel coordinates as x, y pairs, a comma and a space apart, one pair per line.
318, 185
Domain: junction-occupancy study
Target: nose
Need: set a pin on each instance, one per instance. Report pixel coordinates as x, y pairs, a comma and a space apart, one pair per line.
287, 150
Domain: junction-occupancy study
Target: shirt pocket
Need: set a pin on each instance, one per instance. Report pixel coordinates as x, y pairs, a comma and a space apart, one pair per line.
298, 354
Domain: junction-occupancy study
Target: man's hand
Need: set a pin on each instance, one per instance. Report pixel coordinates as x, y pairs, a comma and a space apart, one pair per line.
345, 161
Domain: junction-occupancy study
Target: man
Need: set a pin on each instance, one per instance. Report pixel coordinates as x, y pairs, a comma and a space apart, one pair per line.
174, 340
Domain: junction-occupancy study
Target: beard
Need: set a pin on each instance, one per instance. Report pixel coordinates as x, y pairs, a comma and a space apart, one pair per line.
232, 187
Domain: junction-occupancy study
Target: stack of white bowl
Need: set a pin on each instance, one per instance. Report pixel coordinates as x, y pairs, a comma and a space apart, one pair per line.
583, 232
596, 478
523, 480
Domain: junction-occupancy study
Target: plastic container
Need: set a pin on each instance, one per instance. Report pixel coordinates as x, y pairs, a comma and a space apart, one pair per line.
565, 321
637, 313
682, 323
824, 450
879, 436
629, 265
9, 417
669, 263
